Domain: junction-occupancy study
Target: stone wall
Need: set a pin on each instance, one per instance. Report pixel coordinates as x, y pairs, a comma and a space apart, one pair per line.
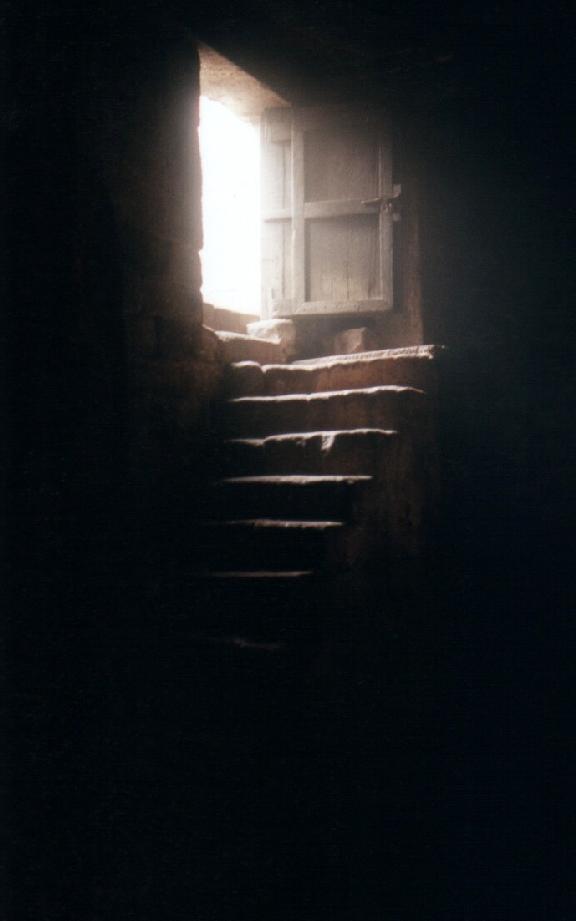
110, 376
105, 191
145, 137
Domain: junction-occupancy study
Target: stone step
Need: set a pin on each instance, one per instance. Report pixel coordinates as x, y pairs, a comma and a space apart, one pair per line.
247, 579
255, 605
404, 367
237, 347
227, 320
367, 452
388, 407
303, 497
272, 544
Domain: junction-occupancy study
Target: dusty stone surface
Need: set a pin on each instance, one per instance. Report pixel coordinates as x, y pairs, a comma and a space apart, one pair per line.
288, 544
245, 378
391, 517
230, 321
222, 80
278, 524
355, 452
411, 351
314, 424
142, 336
375, 407
316, 498
209, 346
295, 480
280, 331
170, 400
340, 372
265, 575
352, 341
237, 347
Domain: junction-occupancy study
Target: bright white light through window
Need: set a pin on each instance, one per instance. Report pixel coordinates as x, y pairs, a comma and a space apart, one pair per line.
230, 152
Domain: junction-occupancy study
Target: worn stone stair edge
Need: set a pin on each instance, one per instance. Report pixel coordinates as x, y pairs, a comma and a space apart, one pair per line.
239, 643
272, 524
227, 336
327, 435
294, 479
326, 394
425, 352
296, 371
255, 575
239, 347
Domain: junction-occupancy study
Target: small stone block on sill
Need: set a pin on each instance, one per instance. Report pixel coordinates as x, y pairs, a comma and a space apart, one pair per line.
282, 332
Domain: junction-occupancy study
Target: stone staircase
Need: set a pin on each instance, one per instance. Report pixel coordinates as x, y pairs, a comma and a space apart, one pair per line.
325, 468
323, 484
